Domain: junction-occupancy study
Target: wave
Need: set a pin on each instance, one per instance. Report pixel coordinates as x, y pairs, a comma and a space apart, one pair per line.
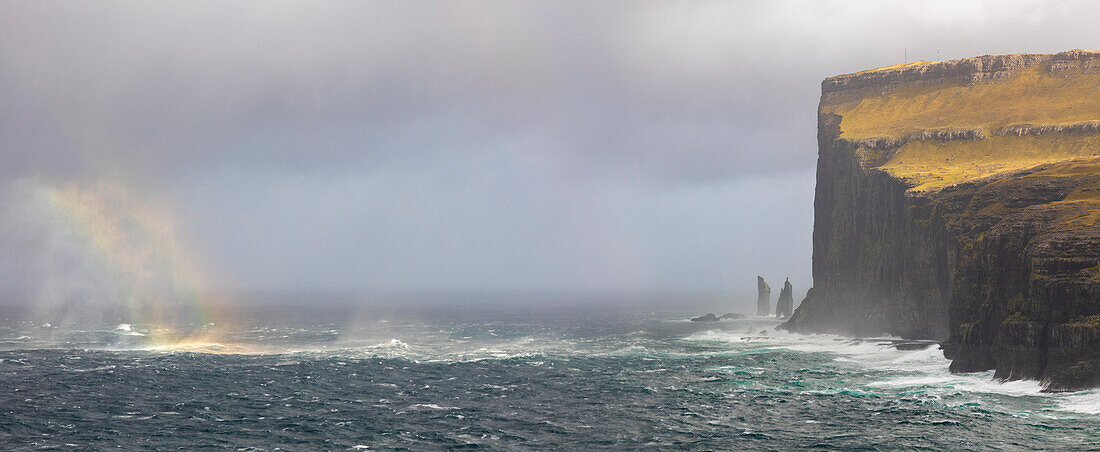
432, 406
125, 329
1084, 402
94, 369
894, 370
203, 347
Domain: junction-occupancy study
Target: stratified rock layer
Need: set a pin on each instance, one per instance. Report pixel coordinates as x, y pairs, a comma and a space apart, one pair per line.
763, 297
958, 201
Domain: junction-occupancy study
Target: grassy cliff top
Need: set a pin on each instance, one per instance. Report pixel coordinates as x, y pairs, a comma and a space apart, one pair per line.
940, 123
899, 66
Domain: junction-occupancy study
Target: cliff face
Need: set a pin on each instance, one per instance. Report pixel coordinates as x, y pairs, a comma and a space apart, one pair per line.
958, 201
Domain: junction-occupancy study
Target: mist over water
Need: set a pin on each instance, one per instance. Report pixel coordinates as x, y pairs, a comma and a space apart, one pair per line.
101, 254
123, 343
527, 376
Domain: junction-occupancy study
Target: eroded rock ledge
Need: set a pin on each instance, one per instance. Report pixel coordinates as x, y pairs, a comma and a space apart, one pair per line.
1019, 130
968, 71
939, 134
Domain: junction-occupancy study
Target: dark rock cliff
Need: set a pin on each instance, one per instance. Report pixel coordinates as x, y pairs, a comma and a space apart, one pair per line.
882, 262
1027, 294
998, 256
785, 304
763, 297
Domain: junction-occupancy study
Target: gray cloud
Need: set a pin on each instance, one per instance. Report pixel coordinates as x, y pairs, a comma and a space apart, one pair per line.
484, 144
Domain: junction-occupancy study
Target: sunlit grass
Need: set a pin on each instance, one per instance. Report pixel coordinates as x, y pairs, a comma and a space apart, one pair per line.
1030, 96
934, 164
1037, 96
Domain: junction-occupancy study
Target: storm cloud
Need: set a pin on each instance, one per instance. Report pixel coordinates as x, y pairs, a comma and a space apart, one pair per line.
446, 145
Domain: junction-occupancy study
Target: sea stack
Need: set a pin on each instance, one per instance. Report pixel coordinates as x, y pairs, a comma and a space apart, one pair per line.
959, 201
785, 304
763, 297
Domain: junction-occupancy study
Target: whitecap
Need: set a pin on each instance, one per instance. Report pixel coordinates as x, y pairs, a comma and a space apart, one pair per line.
1087, 402
94, 369
933, 354
432, 406
984, 383
920, 381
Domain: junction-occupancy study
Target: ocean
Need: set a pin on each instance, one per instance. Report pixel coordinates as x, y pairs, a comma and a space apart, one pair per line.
520, 378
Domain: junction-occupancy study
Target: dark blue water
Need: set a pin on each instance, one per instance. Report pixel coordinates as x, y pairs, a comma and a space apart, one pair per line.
579, 381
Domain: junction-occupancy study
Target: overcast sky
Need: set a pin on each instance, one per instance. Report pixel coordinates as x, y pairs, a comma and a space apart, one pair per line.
625, 146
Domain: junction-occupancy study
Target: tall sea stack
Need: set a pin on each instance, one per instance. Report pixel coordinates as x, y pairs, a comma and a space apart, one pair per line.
959, 201
785, 304
763, 297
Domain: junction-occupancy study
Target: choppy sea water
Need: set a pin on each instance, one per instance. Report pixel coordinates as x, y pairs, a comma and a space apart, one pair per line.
584, 380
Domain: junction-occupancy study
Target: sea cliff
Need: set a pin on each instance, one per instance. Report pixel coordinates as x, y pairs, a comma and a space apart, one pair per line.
958, 201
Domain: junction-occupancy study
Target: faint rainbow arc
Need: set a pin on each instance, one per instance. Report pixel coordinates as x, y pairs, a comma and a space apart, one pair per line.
158, 281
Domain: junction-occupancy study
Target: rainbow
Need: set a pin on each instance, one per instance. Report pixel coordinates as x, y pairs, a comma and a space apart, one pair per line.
156, 282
